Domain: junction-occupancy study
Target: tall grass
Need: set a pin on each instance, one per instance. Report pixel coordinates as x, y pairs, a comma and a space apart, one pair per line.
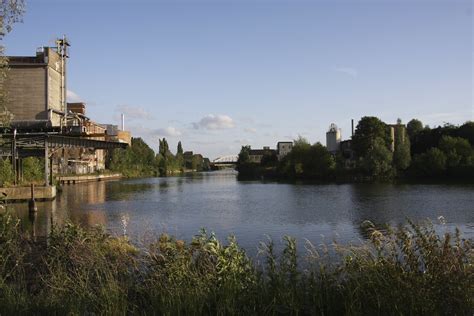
405, 270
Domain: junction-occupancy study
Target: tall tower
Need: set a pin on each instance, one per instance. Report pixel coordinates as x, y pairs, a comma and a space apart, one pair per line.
333, 138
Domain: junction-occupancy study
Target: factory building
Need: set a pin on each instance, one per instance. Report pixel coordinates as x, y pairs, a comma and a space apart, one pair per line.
36, 88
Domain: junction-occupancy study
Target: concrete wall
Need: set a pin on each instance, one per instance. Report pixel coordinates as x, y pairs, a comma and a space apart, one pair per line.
35, 86
26, 88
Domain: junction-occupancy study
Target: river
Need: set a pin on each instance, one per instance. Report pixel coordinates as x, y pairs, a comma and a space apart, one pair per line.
253, 210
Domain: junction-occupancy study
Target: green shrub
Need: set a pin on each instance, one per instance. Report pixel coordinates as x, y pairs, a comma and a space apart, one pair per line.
33, 170
405, 270
6, 172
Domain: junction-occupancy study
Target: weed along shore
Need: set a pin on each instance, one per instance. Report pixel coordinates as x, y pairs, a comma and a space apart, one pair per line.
405, 270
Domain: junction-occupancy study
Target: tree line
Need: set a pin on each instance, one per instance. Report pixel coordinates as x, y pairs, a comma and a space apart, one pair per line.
139, 160
376, 151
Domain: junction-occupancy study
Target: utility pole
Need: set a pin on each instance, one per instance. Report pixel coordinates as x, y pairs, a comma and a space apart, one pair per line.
15, 182
46, 163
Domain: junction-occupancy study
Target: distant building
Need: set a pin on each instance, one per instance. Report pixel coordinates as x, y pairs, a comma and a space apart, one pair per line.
283, 149
111, 130
256, 155
333, 139
81, 160
116, 135
36, 88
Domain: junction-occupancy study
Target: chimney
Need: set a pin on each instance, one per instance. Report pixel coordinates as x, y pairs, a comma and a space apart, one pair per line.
123, 122
352, 127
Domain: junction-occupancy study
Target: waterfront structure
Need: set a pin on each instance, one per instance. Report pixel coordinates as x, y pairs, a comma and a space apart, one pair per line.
36, 88
333, 139
283, 149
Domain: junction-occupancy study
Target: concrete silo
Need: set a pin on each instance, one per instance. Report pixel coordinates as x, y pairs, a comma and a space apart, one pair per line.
333, 138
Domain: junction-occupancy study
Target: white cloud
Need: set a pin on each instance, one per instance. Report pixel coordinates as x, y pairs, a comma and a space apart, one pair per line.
73, 97
250, 130
168, 132
134, 112
214, 122
348, 71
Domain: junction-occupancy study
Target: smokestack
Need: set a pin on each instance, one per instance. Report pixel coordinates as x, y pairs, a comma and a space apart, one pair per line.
352, 127
123, 122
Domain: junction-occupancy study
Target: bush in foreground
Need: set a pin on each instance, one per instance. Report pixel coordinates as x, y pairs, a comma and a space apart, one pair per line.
407, 270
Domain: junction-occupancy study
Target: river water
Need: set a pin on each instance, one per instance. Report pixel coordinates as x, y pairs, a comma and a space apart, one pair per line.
253, 210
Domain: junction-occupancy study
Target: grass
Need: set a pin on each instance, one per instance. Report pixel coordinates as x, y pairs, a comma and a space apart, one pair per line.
408, 270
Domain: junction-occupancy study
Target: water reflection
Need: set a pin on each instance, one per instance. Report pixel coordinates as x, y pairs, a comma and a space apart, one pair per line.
249, 210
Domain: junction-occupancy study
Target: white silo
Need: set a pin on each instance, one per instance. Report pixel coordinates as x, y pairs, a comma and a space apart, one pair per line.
333, 138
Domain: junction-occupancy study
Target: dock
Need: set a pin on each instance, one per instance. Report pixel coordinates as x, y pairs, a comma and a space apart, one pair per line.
22, 194
73, 179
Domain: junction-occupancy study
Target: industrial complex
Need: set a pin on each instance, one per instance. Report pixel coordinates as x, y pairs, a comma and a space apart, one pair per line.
37, 121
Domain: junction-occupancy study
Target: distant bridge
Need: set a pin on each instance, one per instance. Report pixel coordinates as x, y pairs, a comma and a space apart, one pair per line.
229, 159
225, 161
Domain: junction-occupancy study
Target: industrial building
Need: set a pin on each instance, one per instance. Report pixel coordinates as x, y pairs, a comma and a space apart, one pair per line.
397, 132
36, 88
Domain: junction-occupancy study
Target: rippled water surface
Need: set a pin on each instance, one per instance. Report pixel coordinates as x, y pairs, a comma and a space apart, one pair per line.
251, 210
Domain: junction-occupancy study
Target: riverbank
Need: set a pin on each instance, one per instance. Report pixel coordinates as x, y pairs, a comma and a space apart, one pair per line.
409, 270
255, 172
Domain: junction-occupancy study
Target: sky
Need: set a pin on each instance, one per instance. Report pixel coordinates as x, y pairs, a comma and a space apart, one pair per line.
221, 74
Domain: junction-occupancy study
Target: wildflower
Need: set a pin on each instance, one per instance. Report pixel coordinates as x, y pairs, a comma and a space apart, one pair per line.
442, 220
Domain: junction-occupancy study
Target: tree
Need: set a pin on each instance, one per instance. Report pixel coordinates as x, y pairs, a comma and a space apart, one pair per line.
467, 131
136, 160
244, 155
269, 159
367, 131
197, 162
11, 11
414, 127
431, 163
180, 163
179, 151
378, 160
321, 164
164, 148
458, 151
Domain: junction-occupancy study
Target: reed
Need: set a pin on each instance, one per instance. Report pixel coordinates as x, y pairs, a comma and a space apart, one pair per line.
404, 270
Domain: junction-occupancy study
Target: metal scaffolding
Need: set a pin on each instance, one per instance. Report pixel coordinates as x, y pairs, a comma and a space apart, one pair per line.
18, 146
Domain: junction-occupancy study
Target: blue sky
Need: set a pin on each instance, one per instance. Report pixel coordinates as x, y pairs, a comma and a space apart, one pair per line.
220, 74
